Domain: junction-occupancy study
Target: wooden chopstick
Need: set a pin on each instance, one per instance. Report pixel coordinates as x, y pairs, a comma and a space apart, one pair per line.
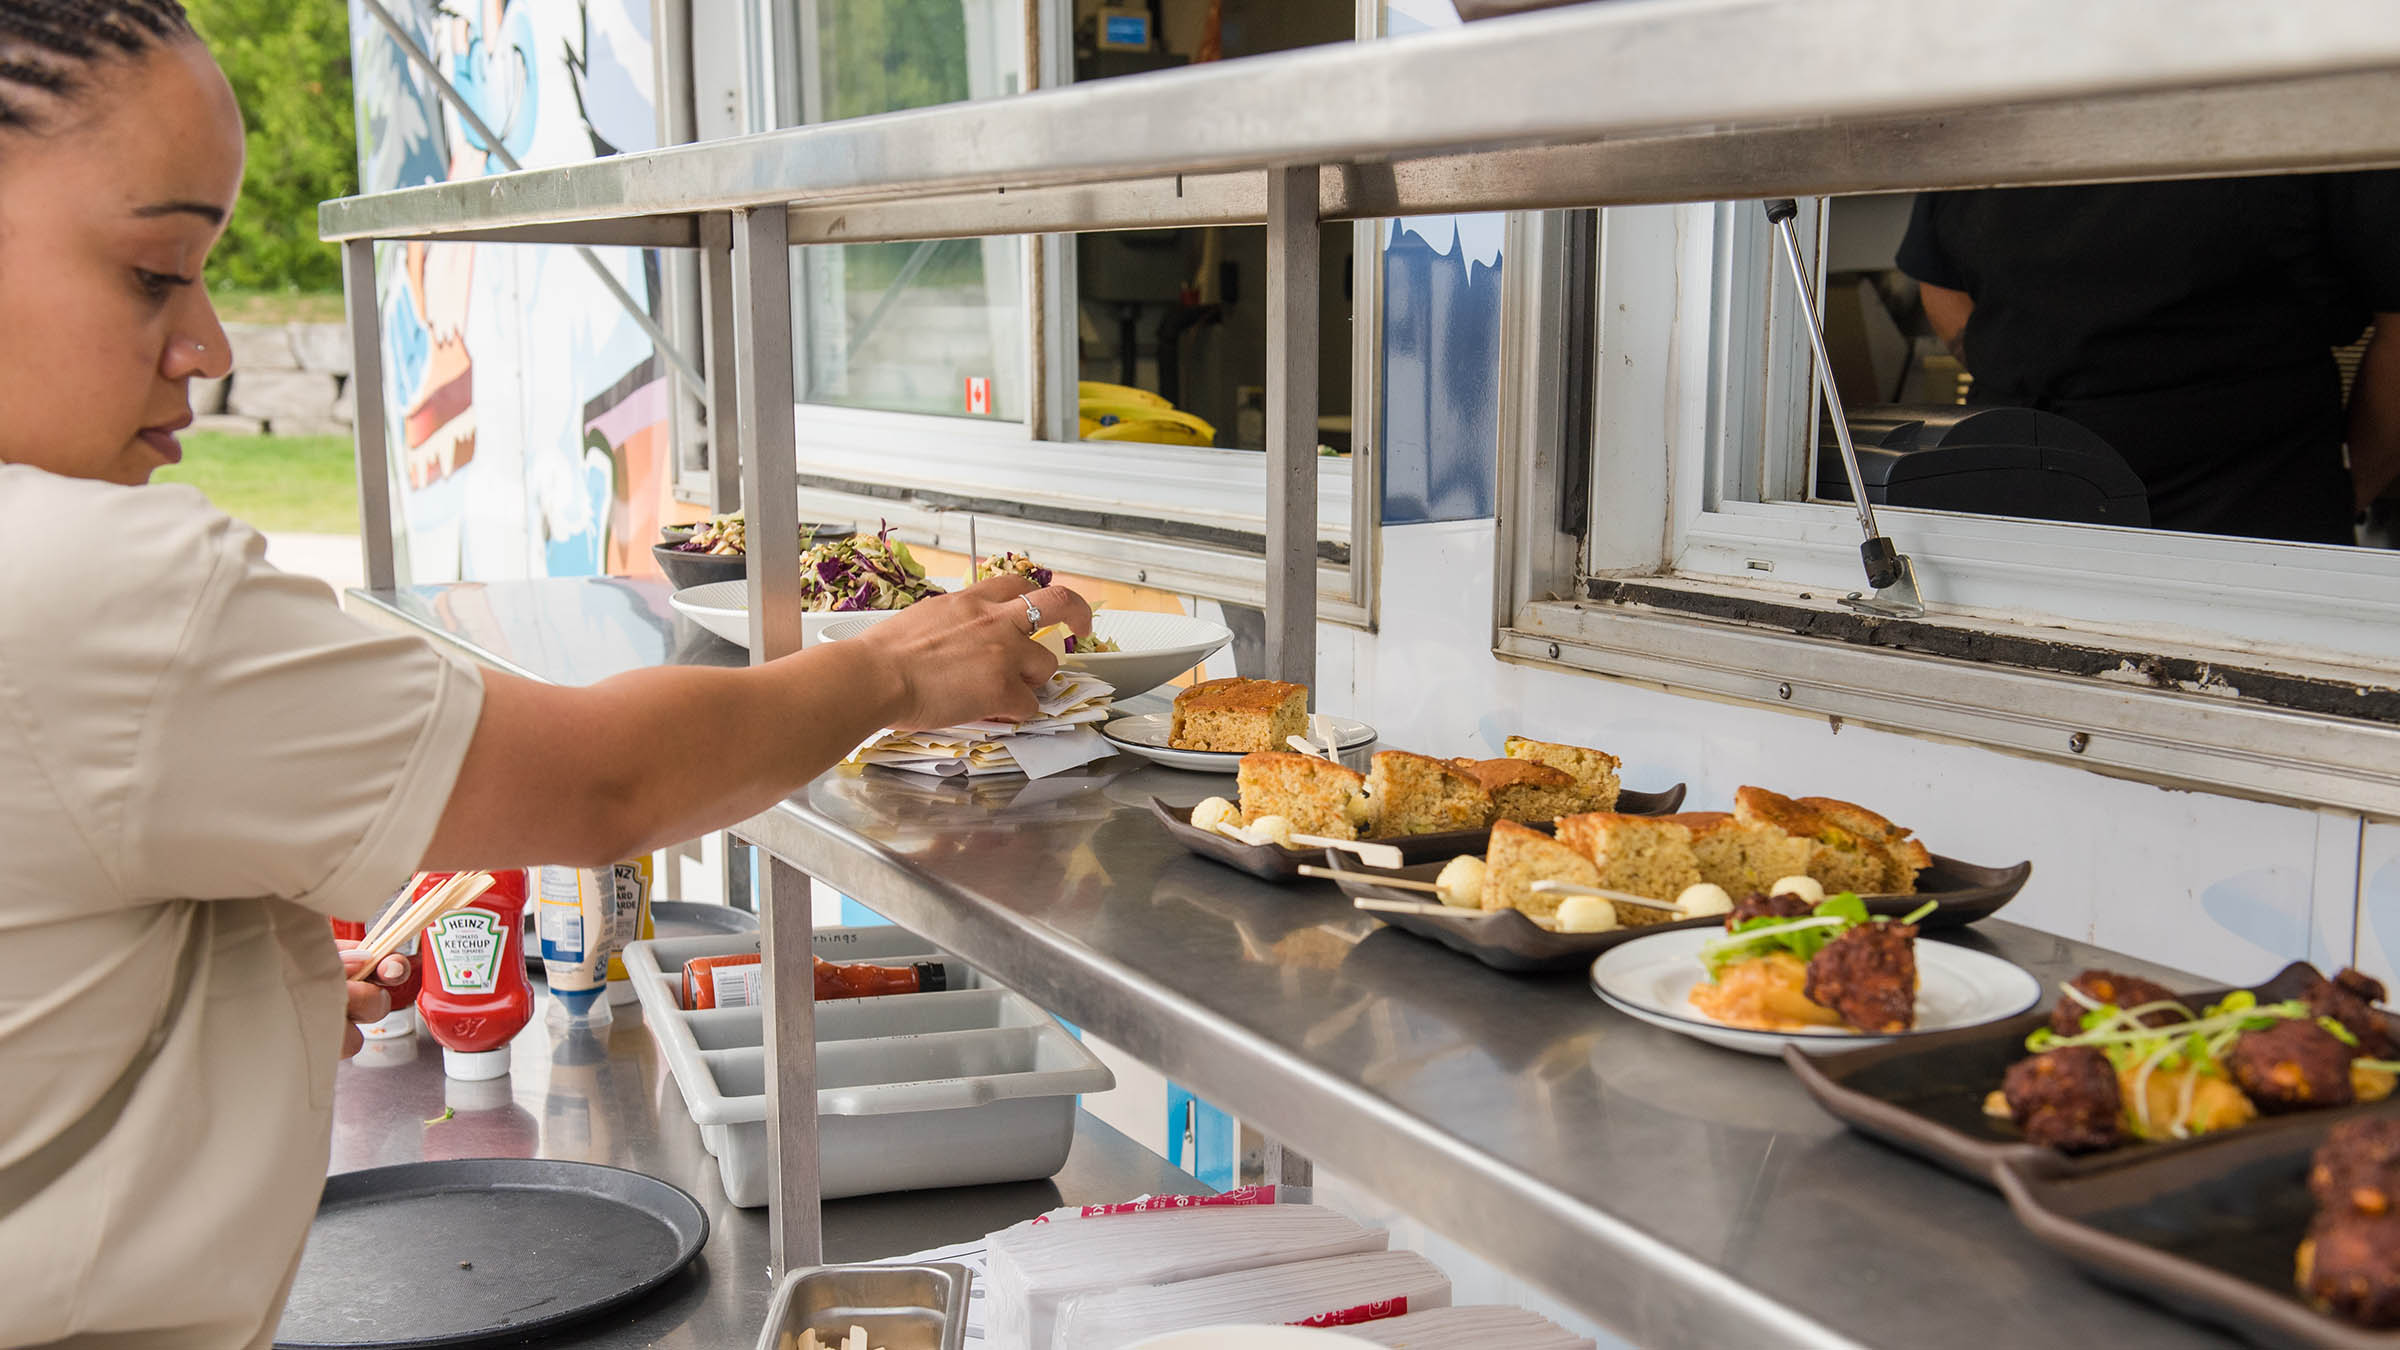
1620, 897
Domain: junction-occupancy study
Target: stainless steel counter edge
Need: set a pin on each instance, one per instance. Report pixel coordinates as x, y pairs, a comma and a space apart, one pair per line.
1583, 1255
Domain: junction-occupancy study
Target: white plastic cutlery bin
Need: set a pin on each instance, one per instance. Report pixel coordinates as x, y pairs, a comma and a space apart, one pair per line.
914, 1091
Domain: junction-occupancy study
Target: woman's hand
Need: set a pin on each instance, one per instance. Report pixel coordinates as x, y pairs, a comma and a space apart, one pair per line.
370, 998
968, 657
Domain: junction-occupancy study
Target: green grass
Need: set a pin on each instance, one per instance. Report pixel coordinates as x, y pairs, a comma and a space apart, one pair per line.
300, 484
238, 306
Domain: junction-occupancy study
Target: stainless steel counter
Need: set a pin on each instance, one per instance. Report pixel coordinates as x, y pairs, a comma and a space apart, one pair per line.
606, 1097
1684, 1195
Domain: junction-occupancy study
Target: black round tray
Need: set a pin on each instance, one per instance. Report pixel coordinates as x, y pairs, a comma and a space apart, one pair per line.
481, 1249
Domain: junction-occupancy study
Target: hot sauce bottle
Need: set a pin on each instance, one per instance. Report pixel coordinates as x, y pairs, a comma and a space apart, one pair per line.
475, 998
402, 1020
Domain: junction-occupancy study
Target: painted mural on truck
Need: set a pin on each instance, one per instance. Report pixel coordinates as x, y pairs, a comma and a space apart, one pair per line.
527, 412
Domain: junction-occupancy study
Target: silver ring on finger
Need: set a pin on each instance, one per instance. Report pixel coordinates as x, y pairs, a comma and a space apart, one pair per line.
1033, 615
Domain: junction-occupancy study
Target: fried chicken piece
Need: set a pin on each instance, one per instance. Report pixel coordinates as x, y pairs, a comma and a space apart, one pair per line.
2067, 1099
2350, 998
1869, 976
2292, 1066
2350, 1266
2357, 1169
1754, 906
2126, 991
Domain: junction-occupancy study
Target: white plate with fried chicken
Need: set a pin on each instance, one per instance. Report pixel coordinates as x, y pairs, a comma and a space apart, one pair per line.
1823, 977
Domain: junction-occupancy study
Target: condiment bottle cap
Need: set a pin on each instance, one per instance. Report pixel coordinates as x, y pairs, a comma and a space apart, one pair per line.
474, 1066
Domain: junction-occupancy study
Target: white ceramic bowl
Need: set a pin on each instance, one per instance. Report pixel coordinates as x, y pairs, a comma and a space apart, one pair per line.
1155, 647
723, 608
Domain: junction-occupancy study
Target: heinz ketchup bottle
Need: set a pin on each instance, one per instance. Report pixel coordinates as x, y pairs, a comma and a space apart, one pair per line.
475, 998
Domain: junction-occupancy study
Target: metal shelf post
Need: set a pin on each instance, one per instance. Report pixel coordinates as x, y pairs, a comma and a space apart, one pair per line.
762, 367
1293, 324
370, 431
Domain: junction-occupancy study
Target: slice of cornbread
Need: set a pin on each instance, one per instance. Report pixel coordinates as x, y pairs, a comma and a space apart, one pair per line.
1744, 857
1519, 857
1643, 855
1903, 857
1840, 859
1525, 790
1317, 796
1238, 716
1594, 771
1418, 794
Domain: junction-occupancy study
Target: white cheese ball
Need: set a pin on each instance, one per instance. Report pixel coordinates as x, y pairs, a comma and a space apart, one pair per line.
1704, 901
1586, 914
1216, 815
1807, 888
1461, 881
1271, 830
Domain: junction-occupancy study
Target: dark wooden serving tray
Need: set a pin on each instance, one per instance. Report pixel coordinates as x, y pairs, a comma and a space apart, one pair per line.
2207, 1232
1270, 862
1926, 1096
1507, 940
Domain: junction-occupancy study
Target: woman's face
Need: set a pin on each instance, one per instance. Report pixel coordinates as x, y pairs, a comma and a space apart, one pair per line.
106, 213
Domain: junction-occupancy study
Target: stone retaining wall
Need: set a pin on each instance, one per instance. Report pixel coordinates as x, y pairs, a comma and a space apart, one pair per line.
289, 379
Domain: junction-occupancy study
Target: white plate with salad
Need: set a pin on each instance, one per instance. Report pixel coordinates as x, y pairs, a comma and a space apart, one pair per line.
1134, 652
839, 579
1653, 979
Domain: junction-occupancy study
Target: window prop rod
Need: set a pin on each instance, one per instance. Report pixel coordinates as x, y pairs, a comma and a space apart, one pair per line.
1889, 570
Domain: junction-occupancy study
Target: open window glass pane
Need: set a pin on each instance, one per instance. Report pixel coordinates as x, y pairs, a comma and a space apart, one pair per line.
2201, 356
937, 326
1171, 324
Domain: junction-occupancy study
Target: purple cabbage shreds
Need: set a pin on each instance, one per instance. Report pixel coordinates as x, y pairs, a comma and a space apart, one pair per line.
1040, 576
832, 571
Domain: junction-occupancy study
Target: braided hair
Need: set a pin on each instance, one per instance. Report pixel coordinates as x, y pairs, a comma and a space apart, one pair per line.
45, 45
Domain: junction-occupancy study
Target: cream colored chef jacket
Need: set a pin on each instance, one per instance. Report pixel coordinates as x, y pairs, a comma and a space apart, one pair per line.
200, 759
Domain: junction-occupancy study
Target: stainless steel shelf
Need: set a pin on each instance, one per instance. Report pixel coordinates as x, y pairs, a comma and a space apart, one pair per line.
1642, 100
1684, 1195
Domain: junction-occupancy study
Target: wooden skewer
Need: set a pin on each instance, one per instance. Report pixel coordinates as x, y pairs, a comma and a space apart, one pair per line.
1369, 878
449, 897
400, 907
1418, 907
1368, 851
1620, 897
410, 918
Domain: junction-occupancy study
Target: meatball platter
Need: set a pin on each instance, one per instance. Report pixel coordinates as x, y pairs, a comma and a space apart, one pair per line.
2089, 1083
2288, 1235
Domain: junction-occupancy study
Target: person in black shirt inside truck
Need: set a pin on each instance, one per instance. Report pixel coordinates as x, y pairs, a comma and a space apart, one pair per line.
2191, 325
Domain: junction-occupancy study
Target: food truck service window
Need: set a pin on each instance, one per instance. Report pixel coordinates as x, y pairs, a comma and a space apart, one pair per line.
2136, 441
1099, 398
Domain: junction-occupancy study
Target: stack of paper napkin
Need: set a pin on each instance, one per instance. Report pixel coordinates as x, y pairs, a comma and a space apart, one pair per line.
1338, 1291
1062, 736
1037, 1266
1470, 1328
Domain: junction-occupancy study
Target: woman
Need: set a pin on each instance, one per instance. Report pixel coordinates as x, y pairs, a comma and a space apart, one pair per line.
201, 758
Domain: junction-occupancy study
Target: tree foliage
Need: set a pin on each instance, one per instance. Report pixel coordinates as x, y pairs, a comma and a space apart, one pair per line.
289, 63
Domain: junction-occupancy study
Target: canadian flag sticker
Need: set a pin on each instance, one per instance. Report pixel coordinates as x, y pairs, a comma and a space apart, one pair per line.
979, 395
